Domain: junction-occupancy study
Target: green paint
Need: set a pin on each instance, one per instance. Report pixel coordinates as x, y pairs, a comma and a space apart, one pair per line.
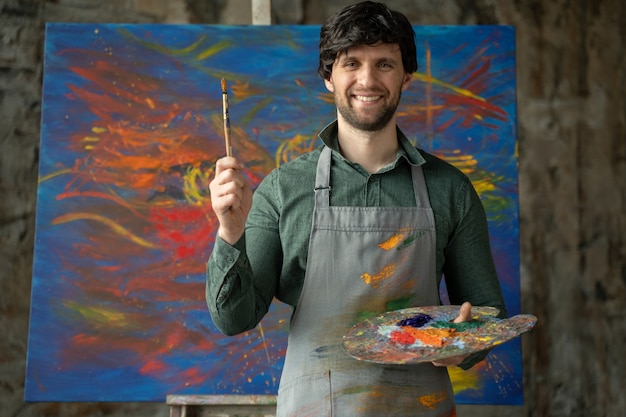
257, 108
398, 304
459, 327
392, 305
409, 240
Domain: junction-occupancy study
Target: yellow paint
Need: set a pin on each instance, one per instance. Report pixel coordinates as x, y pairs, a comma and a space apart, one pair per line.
292, 148
264, 341
242, 91
377, 279
463, 380
213, 50
249, 117
55, 174
486, 339
120, 230
483, 186
467, 164
462, 91
96, 314
195, 184
392, 242
97, 129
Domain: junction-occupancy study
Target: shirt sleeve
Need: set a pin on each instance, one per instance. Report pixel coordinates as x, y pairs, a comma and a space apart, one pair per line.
469, 268
241, 279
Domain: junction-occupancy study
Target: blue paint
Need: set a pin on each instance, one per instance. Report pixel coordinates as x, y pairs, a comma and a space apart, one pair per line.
419, 320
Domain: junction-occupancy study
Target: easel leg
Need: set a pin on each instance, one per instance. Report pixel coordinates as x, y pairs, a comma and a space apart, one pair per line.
178, 410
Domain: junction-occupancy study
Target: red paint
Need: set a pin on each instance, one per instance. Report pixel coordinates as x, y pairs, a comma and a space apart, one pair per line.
402, 337
153, 367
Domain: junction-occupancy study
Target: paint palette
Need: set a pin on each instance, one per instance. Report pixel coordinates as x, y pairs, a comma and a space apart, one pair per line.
426, 334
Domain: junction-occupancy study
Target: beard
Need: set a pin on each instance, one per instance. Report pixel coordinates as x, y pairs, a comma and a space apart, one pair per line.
374, 123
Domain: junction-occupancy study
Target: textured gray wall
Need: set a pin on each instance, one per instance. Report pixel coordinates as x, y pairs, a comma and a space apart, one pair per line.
572, 173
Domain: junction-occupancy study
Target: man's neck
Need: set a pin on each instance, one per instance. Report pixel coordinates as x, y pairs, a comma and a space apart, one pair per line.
371, 150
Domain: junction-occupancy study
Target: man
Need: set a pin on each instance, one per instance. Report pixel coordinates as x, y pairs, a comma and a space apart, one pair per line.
319, 234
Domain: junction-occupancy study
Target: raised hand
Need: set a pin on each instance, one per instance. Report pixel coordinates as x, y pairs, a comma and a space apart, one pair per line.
231, 198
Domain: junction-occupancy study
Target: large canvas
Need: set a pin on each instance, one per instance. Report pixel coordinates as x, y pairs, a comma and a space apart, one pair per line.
131, 128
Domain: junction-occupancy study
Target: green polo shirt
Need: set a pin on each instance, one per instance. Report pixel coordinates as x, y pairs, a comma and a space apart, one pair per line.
270, 260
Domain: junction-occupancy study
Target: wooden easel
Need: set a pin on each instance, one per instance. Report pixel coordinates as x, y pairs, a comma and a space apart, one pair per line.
221, 405
229, 405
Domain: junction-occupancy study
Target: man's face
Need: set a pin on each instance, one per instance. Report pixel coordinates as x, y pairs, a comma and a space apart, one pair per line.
367, 82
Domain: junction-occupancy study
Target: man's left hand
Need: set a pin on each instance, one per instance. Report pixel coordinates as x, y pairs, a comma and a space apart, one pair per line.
465, 314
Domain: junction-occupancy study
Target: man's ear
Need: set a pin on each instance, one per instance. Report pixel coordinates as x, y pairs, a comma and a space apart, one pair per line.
329, 85
407, 81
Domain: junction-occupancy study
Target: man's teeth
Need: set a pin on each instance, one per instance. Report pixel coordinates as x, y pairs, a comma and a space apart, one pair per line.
367, 98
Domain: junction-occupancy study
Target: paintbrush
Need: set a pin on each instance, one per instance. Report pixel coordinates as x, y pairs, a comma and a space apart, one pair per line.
226, 118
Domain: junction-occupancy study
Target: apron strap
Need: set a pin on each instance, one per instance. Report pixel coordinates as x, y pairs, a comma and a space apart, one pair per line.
322, 179
419, 187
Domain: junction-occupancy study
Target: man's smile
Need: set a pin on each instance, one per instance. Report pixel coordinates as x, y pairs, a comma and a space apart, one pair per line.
367, 98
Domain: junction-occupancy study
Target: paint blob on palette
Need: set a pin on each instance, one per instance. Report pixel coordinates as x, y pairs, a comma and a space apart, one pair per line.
426, 334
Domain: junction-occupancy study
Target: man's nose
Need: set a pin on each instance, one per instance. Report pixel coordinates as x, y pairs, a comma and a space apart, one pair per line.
366, 76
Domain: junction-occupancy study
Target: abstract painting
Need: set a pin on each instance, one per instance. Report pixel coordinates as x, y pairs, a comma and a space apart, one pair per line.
131, 128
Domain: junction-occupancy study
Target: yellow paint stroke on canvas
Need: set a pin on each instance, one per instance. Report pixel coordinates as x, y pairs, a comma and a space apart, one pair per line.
463, 162
294, 147
97, 314
120, 230
264, 341
462, 91
463, 380
241, 90
483, 186
468, 164
377, 279
212, 50
55, 174
195, 182
174, 51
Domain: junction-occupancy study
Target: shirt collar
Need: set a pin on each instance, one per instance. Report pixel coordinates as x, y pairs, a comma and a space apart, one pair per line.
407, 150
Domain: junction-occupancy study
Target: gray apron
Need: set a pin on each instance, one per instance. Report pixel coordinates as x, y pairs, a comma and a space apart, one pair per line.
362, 261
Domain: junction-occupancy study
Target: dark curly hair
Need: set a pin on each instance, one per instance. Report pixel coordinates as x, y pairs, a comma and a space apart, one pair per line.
365, 23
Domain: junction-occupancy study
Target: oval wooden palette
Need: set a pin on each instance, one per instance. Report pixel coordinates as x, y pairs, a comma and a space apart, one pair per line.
382, 339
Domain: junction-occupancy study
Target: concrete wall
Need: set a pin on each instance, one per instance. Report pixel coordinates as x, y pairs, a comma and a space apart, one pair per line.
572, 172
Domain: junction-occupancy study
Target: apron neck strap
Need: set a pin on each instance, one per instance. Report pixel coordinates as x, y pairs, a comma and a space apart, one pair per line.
322, 182
322, 179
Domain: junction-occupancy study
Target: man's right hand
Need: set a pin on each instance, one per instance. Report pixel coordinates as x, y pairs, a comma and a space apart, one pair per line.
231, 198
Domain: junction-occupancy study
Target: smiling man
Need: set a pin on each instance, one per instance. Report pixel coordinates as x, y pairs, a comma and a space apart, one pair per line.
318, 235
